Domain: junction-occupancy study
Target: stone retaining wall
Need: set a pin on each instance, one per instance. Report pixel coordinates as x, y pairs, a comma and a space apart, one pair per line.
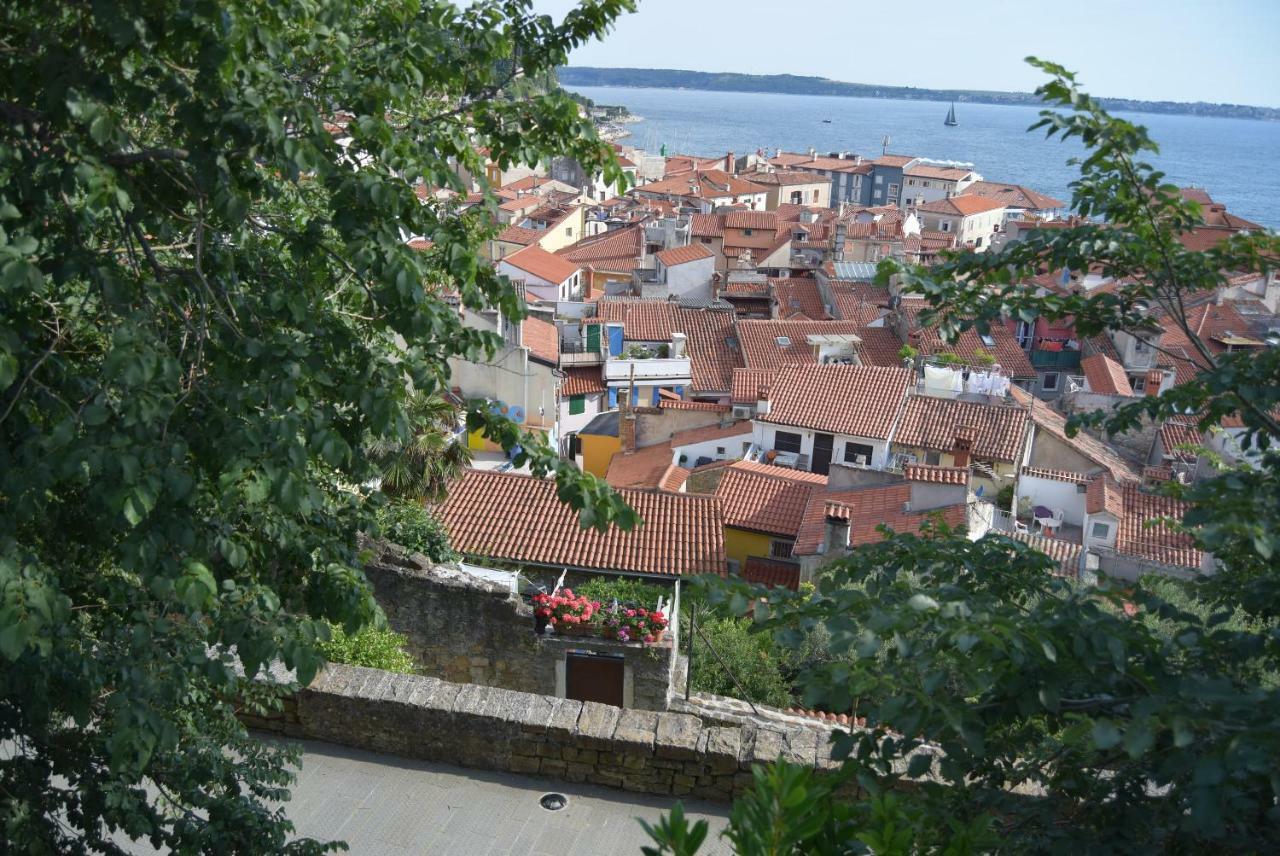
497, 729
463, 629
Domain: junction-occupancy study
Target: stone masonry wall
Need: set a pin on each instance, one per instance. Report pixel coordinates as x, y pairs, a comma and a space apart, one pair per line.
496, 729
466, 630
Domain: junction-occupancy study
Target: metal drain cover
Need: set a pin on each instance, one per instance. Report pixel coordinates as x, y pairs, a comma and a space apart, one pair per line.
553, 802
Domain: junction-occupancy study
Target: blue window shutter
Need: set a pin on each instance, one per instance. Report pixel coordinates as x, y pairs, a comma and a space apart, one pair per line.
635, 396
615, 341
655, 396
613, 397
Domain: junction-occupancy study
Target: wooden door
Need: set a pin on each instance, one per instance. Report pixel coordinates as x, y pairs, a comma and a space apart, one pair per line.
822, 447
594, 677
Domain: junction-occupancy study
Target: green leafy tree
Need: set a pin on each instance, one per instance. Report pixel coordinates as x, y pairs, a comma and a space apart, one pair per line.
730, 660
209, 317
422, 466
1024, 712
415, 528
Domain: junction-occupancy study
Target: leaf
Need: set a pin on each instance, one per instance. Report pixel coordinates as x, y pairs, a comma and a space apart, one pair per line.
919, 764
922, 602
1105, 734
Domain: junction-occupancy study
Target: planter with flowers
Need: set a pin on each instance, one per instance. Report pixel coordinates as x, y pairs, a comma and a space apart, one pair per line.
630, 624
569, 614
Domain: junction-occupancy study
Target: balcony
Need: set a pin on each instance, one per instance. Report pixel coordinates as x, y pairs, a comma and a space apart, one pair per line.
576, 352
1055, 360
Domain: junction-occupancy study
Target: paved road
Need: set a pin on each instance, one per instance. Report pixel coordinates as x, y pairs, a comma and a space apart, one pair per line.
383, 805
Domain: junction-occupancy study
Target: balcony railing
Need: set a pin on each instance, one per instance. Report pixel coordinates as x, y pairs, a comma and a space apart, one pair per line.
1055, 359
657, 368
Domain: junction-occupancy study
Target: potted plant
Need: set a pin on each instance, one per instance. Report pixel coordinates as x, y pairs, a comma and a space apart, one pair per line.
631, 624
568, 613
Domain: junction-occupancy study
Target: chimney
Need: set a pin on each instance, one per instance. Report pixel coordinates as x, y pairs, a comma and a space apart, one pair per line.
1155, 379
762, 402
962, 448
627, 426
835, 536
813, 153
677, 344
730, 163
837, 248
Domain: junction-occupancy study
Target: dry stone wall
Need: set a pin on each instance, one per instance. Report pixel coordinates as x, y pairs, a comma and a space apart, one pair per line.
654, 752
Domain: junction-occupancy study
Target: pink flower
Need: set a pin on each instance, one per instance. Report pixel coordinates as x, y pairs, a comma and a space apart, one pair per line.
648, 639
631, 613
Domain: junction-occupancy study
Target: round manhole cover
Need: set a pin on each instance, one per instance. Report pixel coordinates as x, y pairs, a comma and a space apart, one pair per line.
553, 802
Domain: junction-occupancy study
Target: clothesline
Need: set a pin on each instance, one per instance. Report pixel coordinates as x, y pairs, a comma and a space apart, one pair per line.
987, 381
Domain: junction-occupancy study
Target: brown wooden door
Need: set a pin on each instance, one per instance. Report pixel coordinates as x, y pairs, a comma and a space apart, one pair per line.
594, 677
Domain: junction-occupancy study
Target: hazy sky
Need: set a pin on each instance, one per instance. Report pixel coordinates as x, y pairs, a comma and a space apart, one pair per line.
1181, 50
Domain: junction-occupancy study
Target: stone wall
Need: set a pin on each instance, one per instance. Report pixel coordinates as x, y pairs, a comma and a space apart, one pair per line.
496, 729
463, 629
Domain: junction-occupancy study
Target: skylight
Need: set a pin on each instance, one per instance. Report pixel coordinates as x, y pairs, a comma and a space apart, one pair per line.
987, 340
783, 341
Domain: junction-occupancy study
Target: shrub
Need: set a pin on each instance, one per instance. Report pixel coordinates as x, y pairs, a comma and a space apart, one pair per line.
1004, 498
750, 656
625, 589
373, 647
410, 525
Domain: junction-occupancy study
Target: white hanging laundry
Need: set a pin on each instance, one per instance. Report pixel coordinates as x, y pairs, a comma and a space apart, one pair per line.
974, 384
1000, 385
937, 379
957, 380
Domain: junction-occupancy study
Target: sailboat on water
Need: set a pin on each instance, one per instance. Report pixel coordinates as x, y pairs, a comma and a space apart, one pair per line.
951, 116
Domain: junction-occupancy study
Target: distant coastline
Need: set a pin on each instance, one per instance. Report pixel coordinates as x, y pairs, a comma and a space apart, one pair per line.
790, 84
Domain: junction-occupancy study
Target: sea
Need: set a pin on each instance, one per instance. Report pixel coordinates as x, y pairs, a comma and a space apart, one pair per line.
1236, 160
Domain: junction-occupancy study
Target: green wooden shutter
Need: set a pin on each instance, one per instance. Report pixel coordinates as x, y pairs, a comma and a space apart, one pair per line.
593, 338
577, 404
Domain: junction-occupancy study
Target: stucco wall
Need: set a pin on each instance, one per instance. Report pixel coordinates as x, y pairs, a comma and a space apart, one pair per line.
741, 543
1052, 493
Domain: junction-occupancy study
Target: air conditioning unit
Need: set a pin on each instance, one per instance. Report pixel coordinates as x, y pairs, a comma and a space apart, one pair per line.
742, 411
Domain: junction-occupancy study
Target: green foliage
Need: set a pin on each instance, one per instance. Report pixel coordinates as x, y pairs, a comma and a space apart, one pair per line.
906, 352
750, 657
1145, 732
948, 359
627, 590
984, 358
413, 527
422, 466
373, 647
1004, 498
209, 321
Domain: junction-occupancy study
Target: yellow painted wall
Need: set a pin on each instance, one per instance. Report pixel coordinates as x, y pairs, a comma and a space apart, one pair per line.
597, 451
741, 543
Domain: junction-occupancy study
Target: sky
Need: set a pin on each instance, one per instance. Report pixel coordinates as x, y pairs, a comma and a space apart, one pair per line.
1177, 50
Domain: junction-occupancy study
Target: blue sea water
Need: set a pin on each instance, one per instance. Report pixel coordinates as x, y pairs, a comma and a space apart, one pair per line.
1236, 160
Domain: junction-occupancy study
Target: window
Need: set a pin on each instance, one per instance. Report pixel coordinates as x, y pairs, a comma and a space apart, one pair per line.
977, 242
786, 441
911, 182
933, 458
780, 549
1138, 383
1140, 346
746, 448
577, 404
720, 452
1100, 531
945, 224
987, 340
746, 231
1050, 381
927, 184
893, 190
858, 453
706, 240
879, 179
568, 230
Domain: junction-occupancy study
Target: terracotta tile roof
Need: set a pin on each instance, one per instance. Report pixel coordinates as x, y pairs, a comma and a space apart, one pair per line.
520, 519
866, 509
643, 468
942, 173
1174, 434
520, 235
682, 255
1159, 542
1103, 494
1056, 475
682, 404
787, 178
894, 160
754, 498
1105, 375
765, 221
968, 345
706, 225
931, 423
859, 301
799, 297
880, 347
623, 246
772, 471
863, 401
703, 184
761, 349
707, 330
771, 573
1013, 196
521, 203
542, 339
747, 384
674, 478
542, 264
746, 287
420, 244
710, 432
1055, 424
962, 206
1195, 194
1157, 473
1065, 553
935, 474
582, 380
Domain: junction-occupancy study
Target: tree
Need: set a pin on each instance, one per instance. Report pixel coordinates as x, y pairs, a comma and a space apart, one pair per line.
421, 467
208, 313
1033, 713
413, 527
